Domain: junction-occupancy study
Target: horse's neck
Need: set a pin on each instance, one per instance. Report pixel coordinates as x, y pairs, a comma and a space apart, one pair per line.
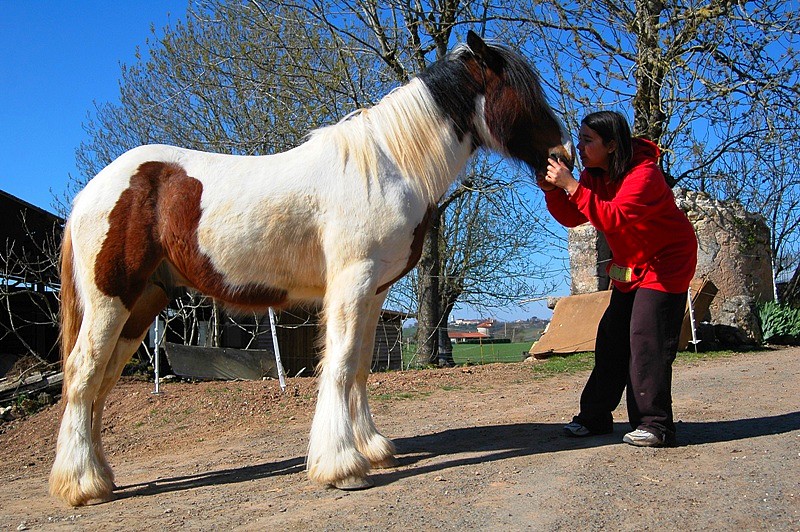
420, 139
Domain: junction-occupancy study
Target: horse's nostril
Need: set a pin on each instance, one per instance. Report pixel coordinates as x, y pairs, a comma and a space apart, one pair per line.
562, 156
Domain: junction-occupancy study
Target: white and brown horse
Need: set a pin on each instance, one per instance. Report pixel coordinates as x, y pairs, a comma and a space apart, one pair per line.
337, 219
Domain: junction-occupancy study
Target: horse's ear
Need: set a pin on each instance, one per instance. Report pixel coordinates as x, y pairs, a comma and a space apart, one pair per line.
483, 52
475, 43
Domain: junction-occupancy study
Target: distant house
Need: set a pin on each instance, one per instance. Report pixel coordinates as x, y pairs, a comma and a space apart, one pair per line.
485, 327
459, 337
460, 322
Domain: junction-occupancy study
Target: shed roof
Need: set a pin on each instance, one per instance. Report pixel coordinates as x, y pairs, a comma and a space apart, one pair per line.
28, 227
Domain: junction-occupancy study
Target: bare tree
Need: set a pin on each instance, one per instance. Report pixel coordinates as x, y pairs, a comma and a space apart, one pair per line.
714, 83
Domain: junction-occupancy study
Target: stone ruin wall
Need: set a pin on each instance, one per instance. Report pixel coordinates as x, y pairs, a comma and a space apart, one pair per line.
588, 256
734, 253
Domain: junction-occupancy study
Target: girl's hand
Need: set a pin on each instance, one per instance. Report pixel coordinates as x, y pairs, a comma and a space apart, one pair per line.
543, 184
560, 176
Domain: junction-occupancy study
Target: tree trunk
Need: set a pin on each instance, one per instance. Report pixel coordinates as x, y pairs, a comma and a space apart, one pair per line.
445, 346
428, 314
649, 118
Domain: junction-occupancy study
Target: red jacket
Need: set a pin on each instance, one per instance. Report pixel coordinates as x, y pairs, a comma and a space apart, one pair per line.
653, 243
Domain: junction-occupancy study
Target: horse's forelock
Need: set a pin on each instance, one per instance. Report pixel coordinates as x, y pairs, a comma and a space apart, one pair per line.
523, 78
517, 112
517, 72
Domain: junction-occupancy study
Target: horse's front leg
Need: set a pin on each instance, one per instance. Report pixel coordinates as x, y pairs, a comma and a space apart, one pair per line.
333, 458
378, 449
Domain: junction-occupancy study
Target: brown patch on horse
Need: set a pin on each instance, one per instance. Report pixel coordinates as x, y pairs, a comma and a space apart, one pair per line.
416, 247
131, 250
155, 219
147, 307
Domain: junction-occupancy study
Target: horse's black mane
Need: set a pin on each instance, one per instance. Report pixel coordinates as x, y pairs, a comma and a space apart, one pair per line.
522, 75
454, 89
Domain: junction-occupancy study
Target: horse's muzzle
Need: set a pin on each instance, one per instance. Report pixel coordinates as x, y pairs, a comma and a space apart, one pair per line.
561, 153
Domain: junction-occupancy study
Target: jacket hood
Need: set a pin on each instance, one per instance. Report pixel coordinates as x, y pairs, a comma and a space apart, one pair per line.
644, 151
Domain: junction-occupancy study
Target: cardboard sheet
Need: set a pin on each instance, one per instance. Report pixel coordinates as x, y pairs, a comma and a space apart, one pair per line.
573, 328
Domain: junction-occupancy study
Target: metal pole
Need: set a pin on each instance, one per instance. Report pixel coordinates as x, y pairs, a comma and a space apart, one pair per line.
281, 378
156, 363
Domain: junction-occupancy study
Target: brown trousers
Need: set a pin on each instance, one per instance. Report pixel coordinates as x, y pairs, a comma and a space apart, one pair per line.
637, 341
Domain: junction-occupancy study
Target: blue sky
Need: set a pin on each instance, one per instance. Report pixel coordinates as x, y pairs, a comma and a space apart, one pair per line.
56, 59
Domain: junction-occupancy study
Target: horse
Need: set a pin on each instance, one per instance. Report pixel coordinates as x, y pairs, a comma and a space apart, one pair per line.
336, 220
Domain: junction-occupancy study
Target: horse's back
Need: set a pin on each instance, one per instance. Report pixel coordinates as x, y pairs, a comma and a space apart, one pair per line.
226, 227
280, 221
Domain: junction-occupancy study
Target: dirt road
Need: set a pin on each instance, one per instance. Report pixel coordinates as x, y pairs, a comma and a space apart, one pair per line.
479, 448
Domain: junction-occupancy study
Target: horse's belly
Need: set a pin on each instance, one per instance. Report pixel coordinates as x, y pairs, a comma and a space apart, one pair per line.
283, 255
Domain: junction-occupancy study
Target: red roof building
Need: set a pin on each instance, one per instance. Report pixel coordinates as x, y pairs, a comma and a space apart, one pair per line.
461, 337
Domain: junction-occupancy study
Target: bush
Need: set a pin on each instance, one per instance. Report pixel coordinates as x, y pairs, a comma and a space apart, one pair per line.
780, 323
25, 405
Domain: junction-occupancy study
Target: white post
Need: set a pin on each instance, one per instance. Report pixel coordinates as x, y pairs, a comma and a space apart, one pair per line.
156, 357
774, 278
695, 341
277, 350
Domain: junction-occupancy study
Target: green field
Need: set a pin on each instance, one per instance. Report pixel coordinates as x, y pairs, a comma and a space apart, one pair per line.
479, 353
486, 354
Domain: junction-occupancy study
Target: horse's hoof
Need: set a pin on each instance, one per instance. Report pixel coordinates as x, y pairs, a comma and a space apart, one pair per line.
87, 500
353, 483
386, 463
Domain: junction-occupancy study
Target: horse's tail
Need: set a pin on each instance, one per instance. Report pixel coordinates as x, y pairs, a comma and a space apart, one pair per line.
71, 309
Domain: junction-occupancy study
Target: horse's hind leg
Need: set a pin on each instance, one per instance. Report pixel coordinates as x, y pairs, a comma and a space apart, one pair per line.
77, 475
332, 455
378, 449
151, 302
121, 354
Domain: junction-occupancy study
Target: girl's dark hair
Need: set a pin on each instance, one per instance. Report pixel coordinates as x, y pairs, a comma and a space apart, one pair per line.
611, 125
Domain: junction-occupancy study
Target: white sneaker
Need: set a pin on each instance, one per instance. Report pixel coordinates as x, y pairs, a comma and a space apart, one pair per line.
643, 438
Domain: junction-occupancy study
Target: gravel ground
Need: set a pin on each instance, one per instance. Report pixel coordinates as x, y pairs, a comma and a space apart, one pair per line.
479, 448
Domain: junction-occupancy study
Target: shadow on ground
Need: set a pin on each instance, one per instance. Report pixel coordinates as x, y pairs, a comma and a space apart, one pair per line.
211, 478
499, 442
491, 443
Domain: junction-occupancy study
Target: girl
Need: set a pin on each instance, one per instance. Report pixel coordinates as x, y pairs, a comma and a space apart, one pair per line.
623, 194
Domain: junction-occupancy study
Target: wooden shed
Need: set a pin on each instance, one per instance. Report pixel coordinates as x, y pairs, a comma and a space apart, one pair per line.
297, 332
29, 281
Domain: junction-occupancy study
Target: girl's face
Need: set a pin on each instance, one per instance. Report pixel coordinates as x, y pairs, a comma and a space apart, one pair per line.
593, 151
